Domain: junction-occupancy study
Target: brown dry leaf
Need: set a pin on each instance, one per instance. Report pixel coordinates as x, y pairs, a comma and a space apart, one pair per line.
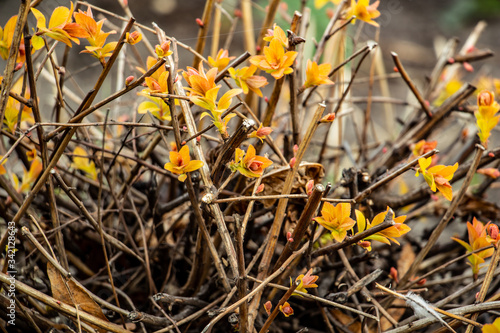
490, 172
352, 324
130, 326
396, 313
178, 220
149, 234
78, 296
473, 204
405, 261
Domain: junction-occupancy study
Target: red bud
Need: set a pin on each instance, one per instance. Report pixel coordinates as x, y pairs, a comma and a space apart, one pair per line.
465, 133
268, 306
330, 13
165, 46
493, 231
263, 131
287, 309
364, 244
393, 274
309, 187
129, 80
468, 67
328, 118
485, 98
199, 22
156, 85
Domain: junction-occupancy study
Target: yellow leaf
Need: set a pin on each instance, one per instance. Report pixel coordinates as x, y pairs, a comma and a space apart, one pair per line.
82, 163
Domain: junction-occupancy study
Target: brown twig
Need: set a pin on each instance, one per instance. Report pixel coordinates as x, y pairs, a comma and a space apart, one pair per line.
420, 130
8, 75
411, 85
441, 63
344, 95
328, 31
473, 56
294, 28
242, 281
332, 73
203, 30
302, 224
235, 63
113, 241
446, 264
227, 150
268, 20
362, 195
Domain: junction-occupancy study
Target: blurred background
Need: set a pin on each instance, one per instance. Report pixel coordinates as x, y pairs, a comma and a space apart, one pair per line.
408, 27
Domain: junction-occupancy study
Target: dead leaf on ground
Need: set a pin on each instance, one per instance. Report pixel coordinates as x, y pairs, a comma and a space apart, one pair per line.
61, 290
352, 324
178, 220
406, 259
